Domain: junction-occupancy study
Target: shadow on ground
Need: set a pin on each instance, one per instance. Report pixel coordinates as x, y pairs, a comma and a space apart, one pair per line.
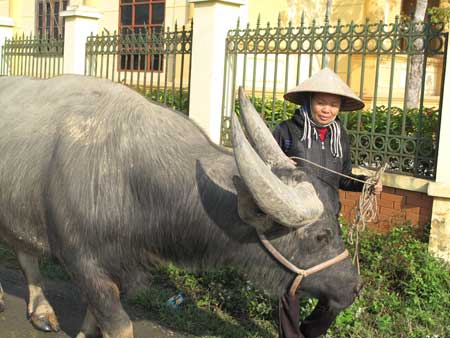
68, 306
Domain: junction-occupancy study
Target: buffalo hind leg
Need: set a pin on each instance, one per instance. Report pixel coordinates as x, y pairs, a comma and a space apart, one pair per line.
104, 304
89, 329
40, 312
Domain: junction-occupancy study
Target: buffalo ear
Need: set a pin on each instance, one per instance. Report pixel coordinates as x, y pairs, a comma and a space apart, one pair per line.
248, 210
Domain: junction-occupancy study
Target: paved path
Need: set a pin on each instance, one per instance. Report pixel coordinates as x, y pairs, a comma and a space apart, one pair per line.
65, 299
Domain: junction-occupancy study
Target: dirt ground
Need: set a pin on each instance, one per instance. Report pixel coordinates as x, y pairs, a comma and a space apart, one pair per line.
67, 304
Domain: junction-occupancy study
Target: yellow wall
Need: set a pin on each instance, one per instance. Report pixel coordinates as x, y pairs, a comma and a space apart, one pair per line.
180, 11
346, 10
23, 13
4, 8
267, 9
110, 11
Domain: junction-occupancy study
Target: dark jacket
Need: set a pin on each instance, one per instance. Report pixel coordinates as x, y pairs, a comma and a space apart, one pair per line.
288, 134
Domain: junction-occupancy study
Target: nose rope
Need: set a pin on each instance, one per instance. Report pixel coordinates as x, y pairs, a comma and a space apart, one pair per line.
301, 273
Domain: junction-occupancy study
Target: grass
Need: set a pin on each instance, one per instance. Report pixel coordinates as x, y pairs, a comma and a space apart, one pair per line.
407, 294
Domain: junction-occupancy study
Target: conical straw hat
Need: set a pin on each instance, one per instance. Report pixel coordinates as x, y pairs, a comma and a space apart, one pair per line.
325, 81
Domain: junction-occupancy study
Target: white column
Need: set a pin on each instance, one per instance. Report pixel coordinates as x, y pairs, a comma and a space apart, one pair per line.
212, 20
439, 244
80, 22
6, 32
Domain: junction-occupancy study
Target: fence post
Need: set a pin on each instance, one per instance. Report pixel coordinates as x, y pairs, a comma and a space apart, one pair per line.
439, 244
212, 20
6, 32
80, 22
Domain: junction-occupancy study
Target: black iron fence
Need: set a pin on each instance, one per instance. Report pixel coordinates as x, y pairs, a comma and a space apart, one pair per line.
373, 58
32, 56
156, 63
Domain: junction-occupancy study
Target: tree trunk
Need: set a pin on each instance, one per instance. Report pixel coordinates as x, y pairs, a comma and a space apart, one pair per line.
416, 68
328, 10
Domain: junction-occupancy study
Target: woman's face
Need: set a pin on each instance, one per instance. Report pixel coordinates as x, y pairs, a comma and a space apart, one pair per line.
325, 107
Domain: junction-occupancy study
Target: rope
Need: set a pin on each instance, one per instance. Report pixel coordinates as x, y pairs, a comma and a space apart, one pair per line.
366, 211
366, 208
301, 273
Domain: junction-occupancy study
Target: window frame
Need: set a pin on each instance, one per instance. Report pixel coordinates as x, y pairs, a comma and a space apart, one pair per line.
133, 28
41, 25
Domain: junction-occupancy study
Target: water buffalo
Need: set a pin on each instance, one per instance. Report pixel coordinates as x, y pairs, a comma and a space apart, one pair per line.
97, 176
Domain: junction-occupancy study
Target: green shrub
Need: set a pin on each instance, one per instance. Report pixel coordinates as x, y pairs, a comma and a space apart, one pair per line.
175, 99
406, 294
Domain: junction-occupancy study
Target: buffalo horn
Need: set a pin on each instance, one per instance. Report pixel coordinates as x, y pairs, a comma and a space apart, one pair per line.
260, 136
289, 206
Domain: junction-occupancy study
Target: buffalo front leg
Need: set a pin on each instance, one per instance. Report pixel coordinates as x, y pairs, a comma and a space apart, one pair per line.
318, 322
2, 299
104, 306
40, 312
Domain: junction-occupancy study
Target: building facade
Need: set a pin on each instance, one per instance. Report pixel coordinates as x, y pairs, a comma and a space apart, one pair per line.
42, 16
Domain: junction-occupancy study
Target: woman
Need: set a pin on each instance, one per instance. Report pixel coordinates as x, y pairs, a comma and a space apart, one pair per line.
316, 134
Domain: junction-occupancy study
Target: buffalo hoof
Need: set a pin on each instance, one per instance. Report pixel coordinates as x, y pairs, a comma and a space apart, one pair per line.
44, 323
97, 334
2, 306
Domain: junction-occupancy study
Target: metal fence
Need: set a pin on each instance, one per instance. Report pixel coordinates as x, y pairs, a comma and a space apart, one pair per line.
32, 56
156, 63
373, 58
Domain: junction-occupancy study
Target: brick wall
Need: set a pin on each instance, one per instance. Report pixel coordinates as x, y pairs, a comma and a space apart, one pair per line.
395, 207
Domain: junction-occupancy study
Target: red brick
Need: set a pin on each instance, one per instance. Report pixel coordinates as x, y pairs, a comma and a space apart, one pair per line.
425, 212
386, 203
408, 193
341, 194
384, 227
391, 212
349, 204
398, 219
416, 199
413, 218
412, 210
373, 226
350, 195
427, 201
398, 205
391, 197
389, 190
424, 219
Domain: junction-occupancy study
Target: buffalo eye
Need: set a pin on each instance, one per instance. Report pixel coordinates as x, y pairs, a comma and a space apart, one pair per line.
324, 236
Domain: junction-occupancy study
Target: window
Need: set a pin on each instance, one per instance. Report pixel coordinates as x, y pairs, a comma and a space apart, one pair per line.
139, 16
49, 24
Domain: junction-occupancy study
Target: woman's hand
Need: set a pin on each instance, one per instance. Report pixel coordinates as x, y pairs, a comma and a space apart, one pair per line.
378, 187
